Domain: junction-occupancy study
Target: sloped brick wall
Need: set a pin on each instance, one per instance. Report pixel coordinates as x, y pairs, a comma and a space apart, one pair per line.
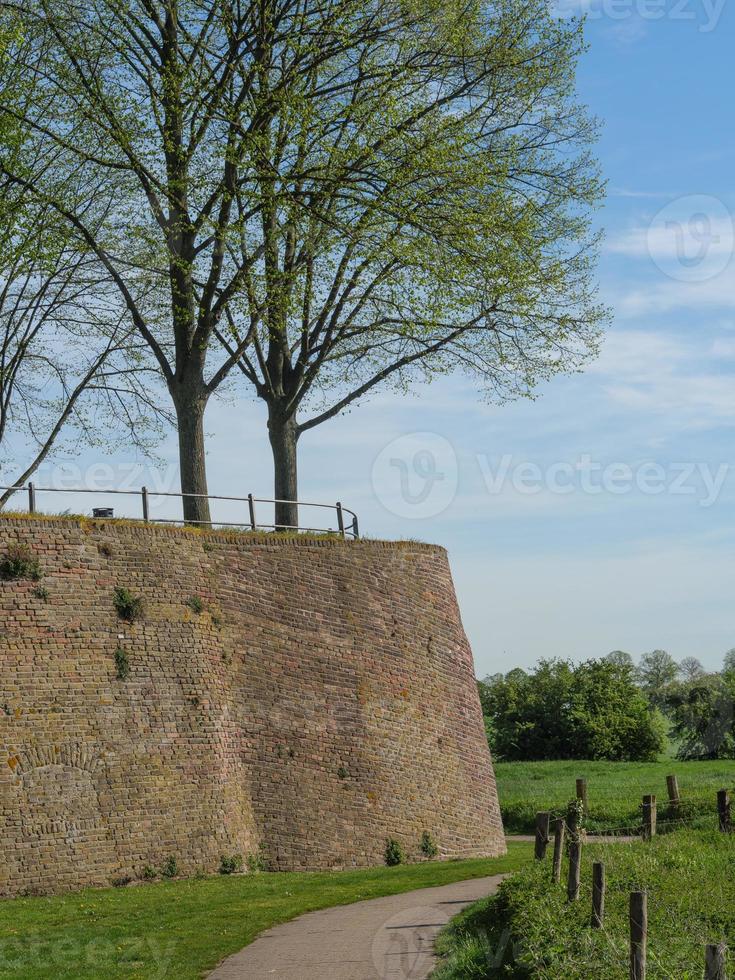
322, 701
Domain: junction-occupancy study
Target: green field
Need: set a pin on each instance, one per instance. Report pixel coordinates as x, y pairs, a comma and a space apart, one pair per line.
691, 902
615, 789
182, 929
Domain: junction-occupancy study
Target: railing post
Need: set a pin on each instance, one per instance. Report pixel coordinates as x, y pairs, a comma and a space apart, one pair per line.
575, 870
542, 835
716, 962
31, 499
355, 528
251, 508
340, 519
558, 849
582, 794
672, 787
598, 895
724, 811
638, 934
144, 497
649, 817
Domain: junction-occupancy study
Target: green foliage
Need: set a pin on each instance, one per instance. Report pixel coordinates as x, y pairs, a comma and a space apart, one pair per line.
149, 873
256, 862
563, 711
428, 845
19, 563
615, 789
655, 673
196, 604
129, 607
42, 593
394, 853
170, 867
702, 714
122, 664
551, 938
232, 864
342, 772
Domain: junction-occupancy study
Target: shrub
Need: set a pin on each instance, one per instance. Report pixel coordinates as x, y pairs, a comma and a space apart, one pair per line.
149, 873
19, 563
230, 865
170, 867
122, 664
342, 772
128, 606
428, 845
196, 604
394, 853
256, 862
563, 711
41, 592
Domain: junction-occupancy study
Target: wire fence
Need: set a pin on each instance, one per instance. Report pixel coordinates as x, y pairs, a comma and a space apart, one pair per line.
345, 520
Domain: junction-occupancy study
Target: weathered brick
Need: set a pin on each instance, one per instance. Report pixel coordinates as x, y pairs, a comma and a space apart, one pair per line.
323, 701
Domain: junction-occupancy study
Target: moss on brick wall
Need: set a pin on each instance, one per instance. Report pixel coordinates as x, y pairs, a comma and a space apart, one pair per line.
300, 699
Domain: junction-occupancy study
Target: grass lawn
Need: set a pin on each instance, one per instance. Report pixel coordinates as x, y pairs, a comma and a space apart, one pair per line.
615, 789
182, 929
691, 902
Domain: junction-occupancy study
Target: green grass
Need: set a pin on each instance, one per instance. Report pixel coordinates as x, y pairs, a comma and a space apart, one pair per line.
182, 929
691, 902
615, 789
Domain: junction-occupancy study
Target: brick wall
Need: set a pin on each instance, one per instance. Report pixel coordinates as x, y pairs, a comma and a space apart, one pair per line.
322, 701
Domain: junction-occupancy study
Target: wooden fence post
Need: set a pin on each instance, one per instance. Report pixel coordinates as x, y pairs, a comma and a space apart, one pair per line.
649, 817
575, 870
672, 786
638, 934
542, 834
715, 964
724, 811
598, 895
558, 848
582, 794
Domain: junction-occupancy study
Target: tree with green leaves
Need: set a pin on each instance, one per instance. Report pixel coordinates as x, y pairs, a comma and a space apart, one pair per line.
329, 196
561, 710
655, 673
70, 363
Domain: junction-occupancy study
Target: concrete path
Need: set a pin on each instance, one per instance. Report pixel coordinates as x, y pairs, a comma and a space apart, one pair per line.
383, 939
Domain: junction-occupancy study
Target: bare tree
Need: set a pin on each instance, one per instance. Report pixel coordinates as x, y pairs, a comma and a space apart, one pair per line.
339, 193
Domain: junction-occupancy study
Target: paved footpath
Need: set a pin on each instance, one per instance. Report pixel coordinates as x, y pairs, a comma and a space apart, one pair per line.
388, 938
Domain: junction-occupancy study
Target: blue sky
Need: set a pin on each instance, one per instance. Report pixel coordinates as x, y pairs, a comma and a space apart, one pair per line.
602, 515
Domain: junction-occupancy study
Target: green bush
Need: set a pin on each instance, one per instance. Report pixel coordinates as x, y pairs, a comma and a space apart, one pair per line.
170, 867
562, 711
196, 604
428, 846
122, 664
19, 563
129, 607
394, 853
230, 865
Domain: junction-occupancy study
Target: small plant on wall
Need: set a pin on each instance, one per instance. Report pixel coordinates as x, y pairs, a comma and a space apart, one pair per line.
196, 604
230, 865
122, 664
428, 846
19, 563
393, 853
129, 607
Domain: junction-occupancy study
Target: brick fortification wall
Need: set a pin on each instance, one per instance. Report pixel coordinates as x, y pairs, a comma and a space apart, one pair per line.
322, 701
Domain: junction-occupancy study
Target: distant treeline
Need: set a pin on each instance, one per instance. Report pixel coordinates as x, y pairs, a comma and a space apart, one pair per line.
612, 709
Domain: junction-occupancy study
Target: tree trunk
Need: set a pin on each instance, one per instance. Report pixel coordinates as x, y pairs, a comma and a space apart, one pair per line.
192, 465
283, 435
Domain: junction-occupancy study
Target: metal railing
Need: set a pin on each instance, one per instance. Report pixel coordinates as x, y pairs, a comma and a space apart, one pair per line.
345, 527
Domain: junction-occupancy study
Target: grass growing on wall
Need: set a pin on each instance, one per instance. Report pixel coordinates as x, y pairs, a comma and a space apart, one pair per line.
182, 929
615, 789
691, 902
